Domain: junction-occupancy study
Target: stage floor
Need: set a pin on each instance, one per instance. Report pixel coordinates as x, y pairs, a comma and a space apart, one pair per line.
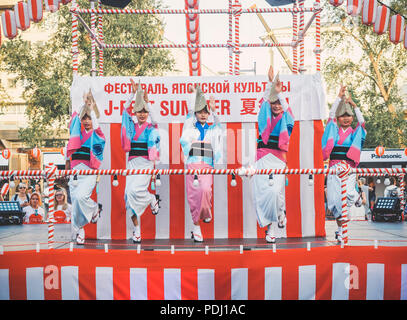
361, 233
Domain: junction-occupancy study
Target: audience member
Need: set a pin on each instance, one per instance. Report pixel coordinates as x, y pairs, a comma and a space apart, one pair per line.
33, 212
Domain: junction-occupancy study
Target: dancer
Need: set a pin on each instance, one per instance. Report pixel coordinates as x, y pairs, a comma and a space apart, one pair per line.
276, 123
141, 140
202, 147
342, 143
84, 152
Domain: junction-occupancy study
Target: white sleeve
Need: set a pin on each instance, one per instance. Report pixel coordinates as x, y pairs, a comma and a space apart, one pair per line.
283, 101
335, 105
215, 118
359, 115
267, 91
153, 122
191, 102
95, 122
129, 100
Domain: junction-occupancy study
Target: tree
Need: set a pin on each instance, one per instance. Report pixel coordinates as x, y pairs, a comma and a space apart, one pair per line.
45, 70
373, 67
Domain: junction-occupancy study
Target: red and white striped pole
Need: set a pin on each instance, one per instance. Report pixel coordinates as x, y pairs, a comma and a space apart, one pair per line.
93, 42
75, 52
230, 40
402, 200
318, 39
301, 34
100, 32
50, 172
343, 174
237, 11
295, 38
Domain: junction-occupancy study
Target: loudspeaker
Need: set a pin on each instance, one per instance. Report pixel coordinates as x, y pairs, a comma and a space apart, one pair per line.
116, 3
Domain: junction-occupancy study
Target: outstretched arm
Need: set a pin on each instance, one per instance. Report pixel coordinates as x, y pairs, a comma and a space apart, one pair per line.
358, 112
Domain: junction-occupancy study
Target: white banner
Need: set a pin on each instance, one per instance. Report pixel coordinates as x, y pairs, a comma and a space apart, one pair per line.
236, 97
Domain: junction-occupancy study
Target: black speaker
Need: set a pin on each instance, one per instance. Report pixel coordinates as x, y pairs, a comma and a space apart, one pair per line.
116, 3
386, 208
11, 213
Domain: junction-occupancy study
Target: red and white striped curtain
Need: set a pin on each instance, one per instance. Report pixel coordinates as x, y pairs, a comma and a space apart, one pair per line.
327, 273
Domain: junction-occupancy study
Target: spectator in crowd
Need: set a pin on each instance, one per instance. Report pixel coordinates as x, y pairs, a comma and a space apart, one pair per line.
392, 190
372, 193
37, 189
62, 207
33, 212
21, 195
365, 189
361, 200
29, 190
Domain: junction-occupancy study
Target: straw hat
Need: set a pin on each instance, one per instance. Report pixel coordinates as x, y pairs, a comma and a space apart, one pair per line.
140, 103
344, 108
200, 100
86, 108
273, 92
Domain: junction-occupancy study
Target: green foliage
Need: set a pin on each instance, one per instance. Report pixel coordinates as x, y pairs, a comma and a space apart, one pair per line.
373, 67
45, 69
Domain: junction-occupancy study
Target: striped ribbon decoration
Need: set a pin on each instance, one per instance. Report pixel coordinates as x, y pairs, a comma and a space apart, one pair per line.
402, 189
241, 172
295, 38
343, 174
318, 39
75, 50
183, 11
196, 45
93, 42
101, 36
237, 11
50, 171
301, 30
230, 21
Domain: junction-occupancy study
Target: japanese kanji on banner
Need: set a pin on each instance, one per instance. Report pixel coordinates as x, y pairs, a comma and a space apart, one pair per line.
237, 101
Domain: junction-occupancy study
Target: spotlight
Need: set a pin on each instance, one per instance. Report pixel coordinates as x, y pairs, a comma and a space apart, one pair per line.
115, 182
75, 180
196, 182
158, 180
233, 182
310, 180
271, 181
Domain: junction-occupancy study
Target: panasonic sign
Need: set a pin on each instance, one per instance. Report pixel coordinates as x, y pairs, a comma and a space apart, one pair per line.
388, 156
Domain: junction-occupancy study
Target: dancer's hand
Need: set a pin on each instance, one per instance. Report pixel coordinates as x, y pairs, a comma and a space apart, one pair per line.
350, 101
271, 74
145, 96
279, 86
134, 85
342, 92
212, 103
191, 89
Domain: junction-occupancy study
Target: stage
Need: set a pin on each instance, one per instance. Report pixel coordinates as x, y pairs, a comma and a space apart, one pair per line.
217, 269
361, 233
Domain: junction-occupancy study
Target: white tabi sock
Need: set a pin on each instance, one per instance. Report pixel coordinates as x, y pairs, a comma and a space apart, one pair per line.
137, 230
197, 230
